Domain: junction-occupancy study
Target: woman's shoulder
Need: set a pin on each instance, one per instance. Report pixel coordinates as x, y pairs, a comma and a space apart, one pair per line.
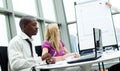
46, 44
62, 43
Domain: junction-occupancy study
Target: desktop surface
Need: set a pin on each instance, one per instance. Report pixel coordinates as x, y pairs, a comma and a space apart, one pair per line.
88, 57
64, 64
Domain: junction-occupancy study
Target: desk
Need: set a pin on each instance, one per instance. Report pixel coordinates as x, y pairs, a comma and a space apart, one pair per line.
64, 64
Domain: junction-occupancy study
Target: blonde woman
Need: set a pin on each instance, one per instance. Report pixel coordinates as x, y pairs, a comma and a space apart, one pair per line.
53, 44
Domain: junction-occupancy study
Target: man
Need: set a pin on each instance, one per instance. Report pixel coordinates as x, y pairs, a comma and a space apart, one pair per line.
21, 53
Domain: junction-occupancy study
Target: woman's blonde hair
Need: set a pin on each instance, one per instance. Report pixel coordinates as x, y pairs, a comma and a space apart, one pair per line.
52, 35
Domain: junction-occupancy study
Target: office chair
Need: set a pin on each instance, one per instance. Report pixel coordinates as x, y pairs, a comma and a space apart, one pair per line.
115, 67
3, 58
38, 50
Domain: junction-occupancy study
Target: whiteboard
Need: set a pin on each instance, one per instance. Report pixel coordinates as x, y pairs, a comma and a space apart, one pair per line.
94, 14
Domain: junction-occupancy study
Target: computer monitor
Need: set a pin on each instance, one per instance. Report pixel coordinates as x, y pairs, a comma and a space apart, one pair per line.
97, 41
97, 50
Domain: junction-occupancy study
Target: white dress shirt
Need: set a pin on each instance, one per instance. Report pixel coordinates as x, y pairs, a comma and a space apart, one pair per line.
19, 54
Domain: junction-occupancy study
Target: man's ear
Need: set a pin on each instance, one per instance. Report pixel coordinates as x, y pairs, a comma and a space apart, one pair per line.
23, 27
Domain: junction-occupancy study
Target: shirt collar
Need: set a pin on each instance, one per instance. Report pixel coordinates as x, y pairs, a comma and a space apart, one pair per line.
24, 36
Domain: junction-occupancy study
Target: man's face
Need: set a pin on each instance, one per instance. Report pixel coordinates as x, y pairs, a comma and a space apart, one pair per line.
31, 28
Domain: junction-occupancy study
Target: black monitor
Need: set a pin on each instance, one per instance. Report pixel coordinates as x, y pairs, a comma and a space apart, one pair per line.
97, 41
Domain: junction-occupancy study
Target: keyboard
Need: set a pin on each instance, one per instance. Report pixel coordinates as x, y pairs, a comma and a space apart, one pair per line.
84, 58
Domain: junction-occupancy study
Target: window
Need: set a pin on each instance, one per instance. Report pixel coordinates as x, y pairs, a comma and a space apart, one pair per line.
1, 3
115, 3
116, 19
37, 39
17, 25
25, 6
3, 30
69, 10
48, 9
73, 37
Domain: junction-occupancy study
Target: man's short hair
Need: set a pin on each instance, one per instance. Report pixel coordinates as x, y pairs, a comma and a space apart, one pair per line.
25, 20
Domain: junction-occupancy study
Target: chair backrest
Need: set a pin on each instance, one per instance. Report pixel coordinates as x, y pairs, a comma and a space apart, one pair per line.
38, 50
3, 58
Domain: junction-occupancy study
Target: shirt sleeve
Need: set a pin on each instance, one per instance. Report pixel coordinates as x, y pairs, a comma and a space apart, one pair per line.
115, 9
46, 44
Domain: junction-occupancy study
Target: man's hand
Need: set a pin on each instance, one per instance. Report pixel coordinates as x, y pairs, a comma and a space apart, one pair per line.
51, 61
48, 58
